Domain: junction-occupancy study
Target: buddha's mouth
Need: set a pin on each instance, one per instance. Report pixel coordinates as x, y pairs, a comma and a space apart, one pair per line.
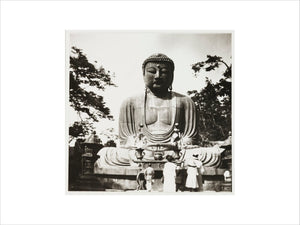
158, 82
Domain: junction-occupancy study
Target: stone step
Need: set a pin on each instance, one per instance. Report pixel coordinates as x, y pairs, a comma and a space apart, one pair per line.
106, 182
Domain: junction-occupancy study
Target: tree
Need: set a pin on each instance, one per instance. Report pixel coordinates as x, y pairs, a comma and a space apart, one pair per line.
110, 143
213, 101
109, 136
86, 84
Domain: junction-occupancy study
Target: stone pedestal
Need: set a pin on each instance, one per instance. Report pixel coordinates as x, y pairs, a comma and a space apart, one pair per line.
226, 186
125, 178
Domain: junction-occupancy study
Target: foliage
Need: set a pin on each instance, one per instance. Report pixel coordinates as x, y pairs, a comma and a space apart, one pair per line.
110, 136
80, 129
110, 143
85, 83
213, 101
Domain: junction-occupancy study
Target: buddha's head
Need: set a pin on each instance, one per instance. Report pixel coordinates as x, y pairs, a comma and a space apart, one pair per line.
158, 71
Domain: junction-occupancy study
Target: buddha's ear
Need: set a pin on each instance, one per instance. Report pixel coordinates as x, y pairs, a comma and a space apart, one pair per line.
171, 78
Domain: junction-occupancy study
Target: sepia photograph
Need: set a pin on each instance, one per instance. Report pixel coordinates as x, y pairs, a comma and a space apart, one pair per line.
113, 110
149, 111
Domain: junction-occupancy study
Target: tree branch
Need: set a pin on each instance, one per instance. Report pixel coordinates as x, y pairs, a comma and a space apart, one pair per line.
225, 64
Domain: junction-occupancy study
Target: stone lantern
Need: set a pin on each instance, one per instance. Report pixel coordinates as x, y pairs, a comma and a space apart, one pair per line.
91, 147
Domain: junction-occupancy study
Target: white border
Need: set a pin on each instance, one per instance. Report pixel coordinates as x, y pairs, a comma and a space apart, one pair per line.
266, 33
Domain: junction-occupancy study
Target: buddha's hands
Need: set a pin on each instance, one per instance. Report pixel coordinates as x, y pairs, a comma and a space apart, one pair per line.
135, 142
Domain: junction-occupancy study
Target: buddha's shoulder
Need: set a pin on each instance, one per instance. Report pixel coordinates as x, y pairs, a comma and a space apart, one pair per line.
182, 98
138, 99
134, 100
178, 95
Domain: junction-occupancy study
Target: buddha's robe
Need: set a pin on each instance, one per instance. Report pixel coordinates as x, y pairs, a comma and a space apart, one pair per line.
158, 126
181, 110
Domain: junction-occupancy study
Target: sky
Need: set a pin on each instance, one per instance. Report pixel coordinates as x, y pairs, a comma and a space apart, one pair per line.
123, 52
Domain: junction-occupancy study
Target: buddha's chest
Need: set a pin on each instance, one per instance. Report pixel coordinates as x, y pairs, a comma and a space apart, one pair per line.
158, 114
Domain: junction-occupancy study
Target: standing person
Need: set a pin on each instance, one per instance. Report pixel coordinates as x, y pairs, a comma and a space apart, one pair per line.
149, 175
180, 178
201, 171
169, 174
192, 172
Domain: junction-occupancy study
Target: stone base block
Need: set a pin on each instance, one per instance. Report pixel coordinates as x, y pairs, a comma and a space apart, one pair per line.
212, 185
124, 179
120, 183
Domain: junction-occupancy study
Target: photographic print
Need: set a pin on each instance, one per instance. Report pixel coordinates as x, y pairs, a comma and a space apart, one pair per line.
149, 111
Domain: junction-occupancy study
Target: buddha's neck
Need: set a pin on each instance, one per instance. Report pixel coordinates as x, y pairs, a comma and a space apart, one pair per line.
161, 94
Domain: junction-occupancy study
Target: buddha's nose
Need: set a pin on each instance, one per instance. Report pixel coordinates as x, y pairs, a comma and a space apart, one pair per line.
157, 74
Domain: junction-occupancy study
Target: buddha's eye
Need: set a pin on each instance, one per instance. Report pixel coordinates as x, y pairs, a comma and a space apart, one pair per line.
151, 70
164, 71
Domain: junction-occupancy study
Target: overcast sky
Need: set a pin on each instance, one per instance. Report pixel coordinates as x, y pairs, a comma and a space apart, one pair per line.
124, 52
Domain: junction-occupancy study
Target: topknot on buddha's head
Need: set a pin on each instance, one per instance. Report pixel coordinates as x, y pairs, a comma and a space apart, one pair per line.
159, 57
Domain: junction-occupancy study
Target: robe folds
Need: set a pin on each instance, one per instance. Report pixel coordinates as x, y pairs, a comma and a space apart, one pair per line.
183, 111
133, 113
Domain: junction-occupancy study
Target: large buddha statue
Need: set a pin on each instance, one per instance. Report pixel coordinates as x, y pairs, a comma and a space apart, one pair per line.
153, 117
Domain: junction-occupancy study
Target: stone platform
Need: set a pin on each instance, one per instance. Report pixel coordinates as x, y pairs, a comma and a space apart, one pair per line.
125, 179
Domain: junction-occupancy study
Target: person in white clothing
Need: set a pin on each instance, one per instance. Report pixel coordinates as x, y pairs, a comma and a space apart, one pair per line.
169, 174
192, 172
149, 175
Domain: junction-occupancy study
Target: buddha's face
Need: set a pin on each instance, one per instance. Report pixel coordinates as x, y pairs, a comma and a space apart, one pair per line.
158, 77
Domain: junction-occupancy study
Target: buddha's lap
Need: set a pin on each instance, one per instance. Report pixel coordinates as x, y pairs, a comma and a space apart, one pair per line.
125, 156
